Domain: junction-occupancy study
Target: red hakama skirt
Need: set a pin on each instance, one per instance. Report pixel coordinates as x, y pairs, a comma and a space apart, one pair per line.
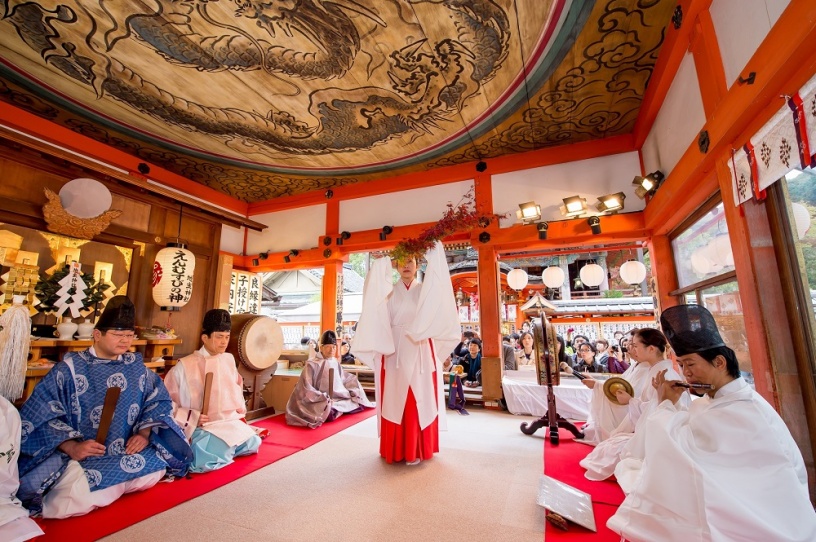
406, 441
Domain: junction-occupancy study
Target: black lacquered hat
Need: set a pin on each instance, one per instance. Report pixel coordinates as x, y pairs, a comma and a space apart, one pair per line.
328, 337
119, 313
690, 329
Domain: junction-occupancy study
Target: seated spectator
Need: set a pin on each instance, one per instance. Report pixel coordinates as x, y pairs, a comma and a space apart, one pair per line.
312, 401
473, 364
310, 345
220, 434
514, 341
613, 364
346, 357
585, 362
508, 354
602, 354
577, 341
525, 357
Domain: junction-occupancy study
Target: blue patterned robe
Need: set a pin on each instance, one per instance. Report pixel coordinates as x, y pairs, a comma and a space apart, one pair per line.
67, 405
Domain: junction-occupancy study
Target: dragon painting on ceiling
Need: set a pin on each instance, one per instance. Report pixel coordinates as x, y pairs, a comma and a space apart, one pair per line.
260, 99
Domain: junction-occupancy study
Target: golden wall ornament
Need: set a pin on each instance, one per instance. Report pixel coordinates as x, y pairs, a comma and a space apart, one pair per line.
58, 220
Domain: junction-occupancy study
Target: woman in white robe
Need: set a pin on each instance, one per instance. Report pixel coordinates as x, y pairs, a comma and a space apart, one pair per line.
648, 346
405, 332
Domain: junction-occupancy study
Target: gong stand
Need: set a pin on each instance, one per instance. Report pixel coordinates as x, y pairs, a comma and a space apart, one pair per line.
546, 350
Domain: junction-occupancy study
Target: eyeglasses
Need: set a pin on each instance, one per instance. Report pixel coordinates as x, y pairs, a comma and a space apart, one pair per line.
122, 336
585, 350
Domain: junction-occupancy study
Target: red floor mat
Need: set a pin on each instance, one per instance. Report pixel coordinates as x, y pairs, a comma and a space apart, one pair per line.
135, 507
561, 463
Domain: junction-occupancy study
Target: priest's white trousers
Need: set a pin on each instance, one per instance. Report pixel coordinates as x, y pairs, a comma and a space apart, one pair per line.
72, 496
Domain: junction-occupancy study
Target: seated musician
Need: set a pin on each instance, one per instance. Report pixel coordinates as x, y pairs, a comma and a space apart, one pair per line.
649, 347
725, 468
313, 402
219, 434
64, 471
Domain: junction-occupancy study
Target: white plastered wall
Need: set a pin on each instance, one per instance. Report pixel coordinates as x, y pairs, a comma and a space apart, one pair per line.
232, 239
291, 229
741, 25
678, 123
549, 185
401, 208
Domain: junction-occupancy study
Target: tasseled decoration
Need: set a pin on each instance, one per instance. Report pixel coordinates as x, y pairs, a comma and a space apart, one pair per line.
15, 340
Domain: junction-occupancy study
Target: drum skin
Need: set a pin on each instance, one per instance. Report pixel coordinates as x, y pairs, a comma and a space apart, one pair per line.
256, 341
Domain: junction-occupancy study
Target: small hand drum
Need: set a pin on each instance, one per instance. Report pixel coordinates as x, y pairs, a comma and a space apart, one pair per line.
615, 383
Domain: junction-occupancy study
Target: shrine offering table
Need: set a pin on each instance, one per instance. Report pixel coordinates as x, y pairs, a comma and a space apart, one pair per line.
525, 396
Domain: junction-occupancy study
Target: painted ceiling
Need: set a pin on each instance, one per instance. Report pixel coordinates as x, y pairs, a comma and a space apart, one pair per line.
263, 99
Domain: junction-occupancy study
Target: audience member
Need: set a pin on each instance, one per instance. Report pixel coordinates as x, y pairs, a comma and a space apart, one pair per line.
525, 356
602, 354
613, 364
585, 360
508, 354
472, 362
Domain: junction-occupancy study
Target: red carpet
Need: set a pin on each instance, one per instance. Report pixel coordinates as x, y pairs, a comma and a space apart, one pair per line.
135, 507
561, 463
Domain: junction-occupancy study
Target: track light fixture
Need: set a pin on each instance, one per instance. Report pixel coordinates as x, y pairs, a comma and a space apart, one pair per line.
343, 236
574, 206
611, 203
594, 224
529, 212
386, 231
647, 185
292, 253
542, 230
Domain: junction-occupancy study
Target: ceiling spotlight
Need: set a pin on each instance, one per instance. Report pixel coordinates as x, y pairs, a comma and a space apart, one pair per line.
647, 185
574, 206
329, 193
386, 231
611, 203
292, 254
528, 212
542, 230
343, 236
481, 166
594, 224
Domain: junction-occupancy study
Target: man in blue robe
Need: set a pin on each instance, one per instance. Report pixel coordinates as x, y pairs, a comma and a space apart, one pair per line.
63, 470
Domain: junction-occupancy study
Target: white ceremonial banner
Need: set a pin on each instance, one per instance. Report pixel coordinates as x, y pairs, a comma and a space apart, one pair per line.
776, 148
740, 177
808, 95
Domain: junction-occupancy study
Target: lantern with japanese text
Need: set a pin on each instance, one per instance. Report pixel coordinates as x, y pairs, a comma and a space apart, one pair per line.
173, 277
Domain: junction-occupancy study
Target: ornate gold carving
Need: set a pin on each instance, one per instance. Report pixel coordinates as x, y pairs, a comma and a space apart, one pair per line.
58, 220
127, 254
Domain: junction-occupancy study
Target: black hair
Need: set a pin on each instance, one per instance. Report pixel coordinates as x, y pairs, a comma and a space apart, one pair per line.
477, 342
652, 337
590, 345
582, 336
468, 334
506, 338
515, 336
731, 363
562, 354
305, 340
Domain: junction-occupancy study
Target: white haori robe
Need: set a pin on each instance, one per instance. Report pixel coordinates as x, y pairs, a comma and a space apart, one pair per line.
723, 469
185, 383
15, 524
600, 463
604, 415
414, 329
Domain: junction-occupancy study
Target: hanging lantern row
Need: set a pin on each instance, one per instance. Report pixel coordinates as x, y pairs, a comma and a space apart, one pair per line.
592, 275
633, 272
173, 277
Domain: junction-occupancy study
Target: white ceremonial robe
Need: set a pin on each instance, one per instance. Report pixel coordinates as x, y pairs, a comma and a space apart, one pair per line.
724, 469
600, 463
185, 383
604, 415
400, 324
15, 525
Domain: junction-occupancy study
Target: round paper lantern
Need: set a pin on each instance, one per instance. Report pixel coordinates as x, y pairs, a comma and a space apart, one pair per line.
633, 272
517, 279
720, 252
553, 277
699, 262
173, 277
802, 218
592, 275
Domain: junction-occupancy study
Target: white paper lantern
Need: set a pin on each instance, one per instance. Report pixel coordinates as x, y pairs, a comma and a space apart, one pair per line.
517, 279
592, 275
801, 216
173, 277
720, 252
633, 272
553, 277
699, 262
